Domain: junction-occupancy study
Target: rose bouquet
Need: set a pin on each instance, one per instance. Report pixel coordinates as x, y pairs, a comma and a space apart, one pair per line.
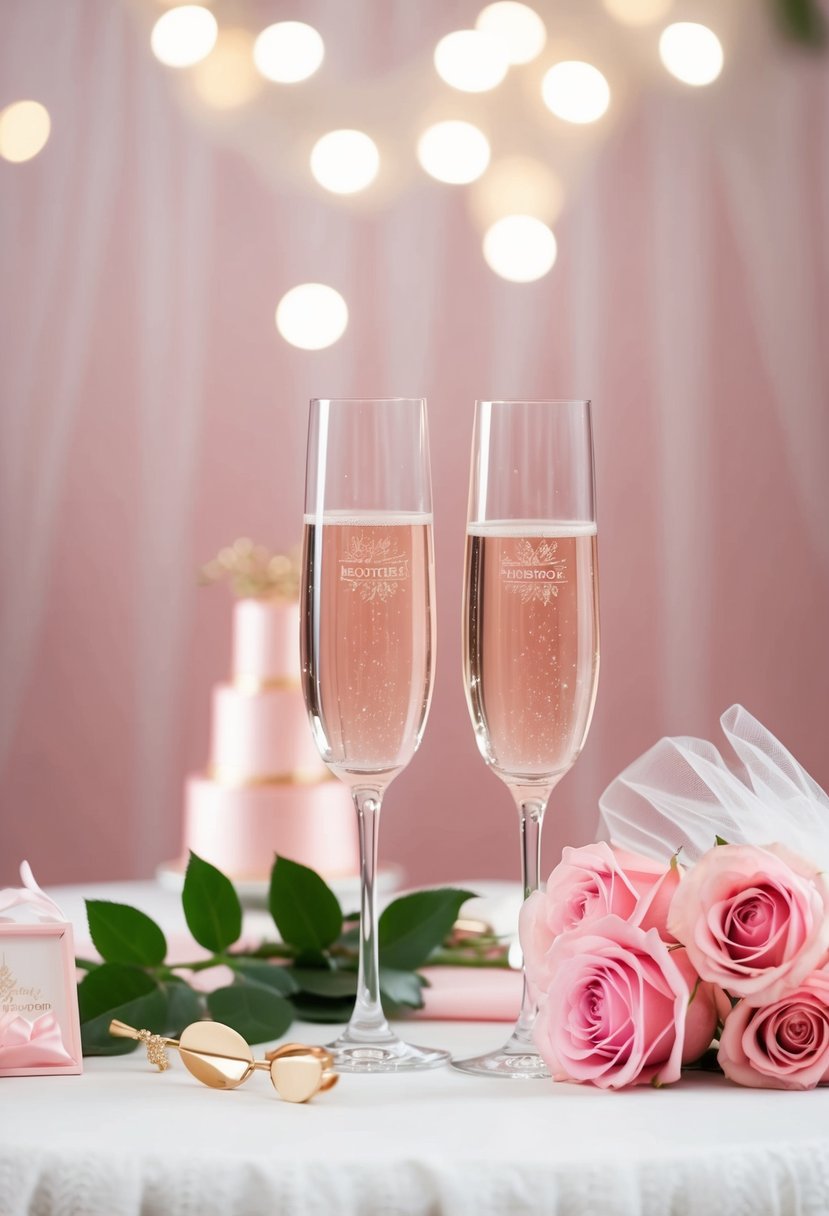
639, 965
637, 968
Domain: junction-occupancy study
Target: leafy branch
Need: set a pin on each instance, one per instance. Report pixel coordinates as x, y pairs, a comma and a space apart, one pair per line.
801, 21
310, 973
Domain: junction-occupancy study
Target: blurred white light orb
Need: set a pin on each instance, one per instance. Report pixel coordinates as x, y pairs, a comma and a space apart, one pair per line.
517, 27
345, 161
184, 35
312, 316
520, 248
24, 130
471, 61
288, 52
637, 12
454, 152
575, 91
227, 79
691, 52
516, 185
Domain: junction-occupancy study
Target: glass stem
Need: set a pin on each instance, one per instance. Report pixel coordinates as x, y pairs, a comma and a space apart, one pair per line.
531, 813
368, 1019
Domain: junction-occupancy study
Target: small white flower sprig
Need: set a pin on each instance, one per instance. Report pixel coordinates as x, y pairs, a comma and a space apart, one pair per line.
252, 570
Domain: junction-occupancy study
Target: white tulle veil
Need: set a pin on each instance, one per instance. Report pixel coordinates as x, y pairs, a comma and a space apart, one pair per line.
682, 794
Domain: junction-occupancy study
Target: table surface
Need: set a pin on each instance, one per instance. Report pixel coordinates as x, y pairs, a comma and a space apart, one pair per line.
123, 1140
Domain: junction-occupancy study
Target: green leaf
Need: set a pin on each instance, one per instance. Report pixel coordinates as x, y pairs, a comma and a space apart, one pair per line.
321, 1009
414, 925
109, 985
122, 934
148, 1011
401, 988
336, 984
304, 908
312, 960
392, 1011
257, 1013
802, 21
270, 975
706, 1063
211, 906
114, 990
184, 1006
718, 840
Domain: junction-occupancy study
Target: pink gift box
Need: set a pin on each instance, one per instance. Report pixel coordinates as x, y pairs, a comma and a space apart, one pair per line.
39, 1024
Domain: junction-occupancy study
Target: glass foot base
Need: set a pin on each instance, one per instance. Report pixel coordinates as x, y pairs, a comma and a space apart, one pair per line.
383, 1055
513, 1060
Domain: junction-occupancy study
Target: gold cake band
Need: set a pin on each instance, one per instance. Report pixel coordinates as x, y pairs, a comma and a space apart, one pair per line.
253, 684
235, 780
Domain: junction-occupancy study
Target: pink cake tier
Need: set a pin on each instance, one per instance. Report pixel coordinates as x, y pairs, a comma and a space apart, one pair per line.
240, 829
266, 790
265, 644
262, 736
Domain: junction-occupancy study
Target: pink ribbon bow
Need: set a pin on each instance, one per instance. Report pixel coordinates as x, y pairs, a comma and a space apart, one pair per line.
30, 897
37, 1044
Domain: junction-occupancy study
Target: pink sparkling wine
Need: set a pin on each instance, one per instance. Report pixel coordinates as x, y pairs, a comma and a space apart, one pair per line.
531, 644
368, 639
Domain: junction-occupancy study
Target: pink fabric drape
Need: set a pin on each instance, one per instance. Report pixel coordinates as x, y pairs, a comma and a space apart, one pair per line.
149, 413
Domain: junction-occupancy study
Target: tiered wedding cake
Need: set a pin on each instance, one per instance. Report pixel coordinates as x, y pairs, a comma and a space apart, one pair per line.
266, 790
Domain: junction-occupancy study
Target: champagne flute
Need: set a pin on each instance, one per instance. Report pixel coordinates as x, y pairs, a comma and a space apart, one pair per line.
368, 646
531, 627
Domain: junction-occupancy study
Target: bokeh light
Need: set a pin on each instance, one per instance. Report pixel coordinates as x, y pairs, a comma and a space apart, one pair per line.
184, 35
227, 79
454, 152
691, 52
576, 91
638, 12
345, 161
516, 185
312, 316
520, 248
470, 61
288, 52
24, 130
517, 27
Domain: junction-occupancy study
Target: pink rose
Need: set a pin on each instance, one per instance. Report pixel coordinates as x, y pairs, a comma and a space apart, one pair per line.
784, 1045
707, 1003
754, 920
615, 1009
589, 883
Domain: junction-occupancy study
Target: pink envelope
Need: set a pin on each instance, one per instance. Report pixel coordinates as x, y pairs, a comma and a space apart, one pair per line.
471, 994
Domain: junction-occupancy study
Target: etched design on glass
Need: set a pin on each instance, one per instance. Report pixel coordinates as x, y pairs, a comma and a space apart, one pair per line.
373, 567
534, 573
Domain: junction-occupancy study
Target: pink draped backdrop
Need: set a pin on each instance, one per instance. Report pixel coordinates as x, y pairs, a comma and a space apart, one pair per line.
151, 413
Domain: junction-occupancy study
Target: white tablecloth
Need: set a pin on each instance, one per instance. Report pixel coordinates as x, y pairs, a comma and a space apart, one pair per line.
123, 1140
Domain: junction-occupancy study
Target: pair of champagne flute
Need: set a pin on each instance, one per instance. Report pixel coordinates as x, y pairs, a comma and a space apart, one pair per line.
530, 636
